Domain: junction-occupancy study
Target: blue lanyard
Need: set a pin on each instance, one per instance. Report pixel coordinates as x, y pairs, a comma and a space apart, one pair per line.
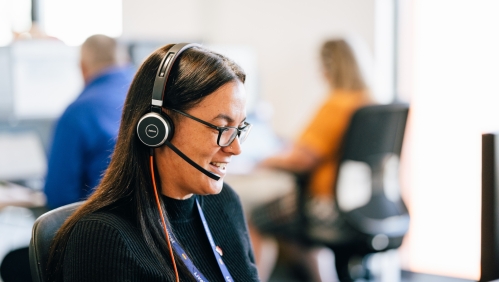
187, 261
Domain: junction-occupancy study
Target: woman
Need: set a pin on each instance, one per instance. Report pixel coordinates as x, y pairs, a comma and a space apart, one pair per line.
119, 233
317, 151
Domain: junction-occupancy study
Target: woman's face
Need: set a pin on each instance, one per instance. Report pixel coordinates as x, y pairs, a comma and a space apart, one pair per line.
179, 180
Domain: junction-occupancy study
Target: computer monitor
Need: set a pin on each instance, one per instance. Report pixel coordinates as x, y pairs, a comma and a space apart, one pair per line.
22, 156
40, 78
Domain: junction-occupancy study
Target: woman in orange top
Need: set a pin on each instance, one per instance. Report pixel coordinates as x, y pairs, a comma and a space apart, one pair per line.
317, 151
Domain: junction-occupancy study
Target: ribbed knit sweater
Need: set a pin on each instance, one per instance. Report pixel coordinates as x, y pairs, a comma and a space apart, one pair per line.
108, 245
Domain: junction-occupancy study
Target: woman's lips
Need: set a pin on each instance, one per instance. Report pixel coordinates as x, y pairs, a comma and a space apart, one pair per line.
219, 167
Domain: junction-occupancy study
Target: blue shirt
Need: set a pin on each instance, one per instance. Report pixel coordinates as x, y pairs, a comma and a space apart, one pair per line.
84, 138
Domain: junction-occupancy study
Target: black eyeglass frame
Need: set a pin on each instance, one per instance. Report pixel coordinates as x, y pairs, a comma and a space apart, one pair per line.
247, 127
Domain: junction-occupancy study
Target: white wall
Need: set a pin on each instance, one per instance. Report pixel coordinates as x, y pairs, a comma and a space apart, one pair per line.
286, 36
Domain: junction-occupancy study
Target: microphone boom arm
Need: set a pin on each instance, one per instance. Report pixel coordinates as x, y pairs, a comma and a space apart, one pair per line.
191, 162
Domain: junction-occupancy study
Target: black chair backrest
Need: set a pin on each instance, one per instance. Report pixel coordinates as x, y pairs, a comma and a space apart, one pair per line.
375, 130
44, 230
372, 147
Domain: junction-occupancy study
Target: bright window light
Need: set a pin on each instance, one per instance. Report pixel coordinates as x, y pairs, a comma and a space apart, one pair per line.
20, 15
5, 28
74, 21
454, 100
383, 51
15, 16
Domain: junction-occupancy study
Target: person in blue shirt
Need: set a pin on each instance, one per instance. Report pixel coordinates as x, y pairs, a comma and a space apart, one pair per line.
85, 135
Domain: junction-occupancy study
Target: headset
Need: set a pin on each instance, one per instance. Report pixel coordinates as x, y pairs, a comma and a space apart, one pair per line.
156, 128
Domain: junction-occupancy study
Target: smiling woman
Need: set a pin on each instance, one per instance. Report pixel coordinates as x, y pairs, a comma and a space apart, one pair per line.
162, 211
224, 107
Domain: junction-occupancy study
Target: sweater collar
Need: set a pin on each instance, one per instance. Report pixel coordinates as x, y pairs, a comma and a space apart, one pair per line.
178, 210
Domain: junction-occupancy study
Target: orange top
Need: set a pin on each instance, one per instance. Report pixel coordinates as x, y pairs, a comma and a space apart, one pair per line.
324, 136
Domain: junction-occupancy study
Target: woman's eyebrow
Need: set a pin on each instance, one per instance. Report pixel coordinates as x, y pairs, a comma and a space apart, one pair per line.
226, 118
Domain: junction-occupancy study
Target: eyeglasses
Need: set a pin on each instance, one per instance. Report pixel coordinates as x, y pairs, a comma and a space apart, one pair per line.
226, 134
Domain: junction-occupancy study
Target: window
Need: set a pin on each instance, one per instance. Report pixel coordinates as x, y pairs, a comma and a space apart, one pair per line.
74, 21
70, 21
449, 70
15, 17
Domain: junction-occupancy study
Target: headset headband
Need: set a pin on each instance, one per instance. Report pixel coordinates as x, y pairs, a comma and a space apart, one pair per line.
164, 70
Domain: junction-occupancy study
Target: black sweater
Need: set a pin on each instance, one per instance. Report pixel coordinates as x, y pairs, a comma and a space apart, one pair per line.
108, 245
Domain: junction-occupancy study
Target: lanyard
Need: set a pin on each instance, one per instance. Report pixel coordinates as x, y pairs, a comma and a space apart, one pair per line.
190, 265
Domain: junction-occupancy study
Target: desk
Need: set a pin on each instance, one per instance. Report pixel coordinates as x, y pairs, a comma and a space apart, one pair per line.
260, 186
15, 195
17, 215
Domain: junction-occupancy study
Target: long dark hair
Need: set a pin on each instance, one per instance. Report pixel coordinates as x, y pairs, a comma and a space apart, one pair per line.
127, 182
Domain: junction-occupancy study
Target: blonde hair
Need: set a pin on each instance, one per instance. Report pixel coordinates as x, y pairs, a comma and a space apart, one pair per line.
341, 67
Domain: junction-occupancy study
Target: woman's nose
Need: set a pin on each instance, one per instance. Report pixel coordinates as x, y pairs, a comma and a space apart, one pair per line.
234, 147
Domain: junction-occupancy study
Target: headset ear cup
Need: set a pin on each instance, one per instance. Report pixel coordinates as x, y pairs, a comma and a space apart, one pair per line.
153, 129
171, 127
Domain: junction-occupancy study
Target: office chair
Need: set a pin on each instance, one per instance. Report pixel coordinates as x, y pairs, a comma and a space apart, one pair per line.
369, 214
44, 230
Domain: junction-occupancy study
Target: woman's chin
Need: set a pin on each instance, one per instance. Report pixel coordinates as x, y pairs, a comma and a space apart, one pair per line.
215, 187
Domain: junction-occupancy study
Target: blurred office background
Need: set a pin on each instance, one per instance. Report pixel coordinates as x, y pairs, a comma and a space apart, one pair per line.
439, 55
